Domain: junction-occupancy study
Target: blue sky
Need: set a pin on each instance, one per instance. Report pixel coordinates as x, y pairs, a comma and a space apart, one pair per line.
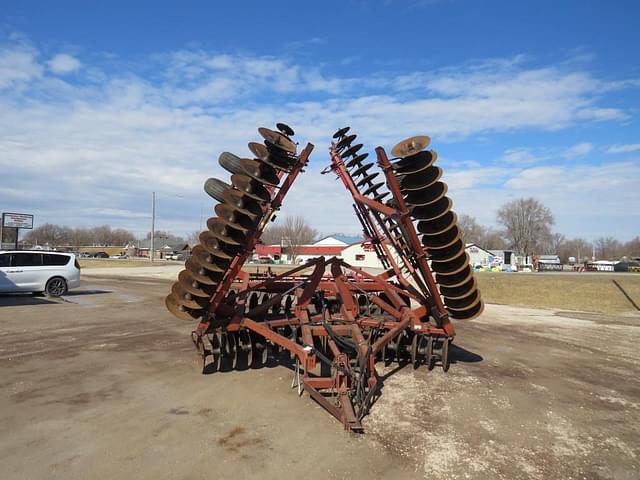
103, 102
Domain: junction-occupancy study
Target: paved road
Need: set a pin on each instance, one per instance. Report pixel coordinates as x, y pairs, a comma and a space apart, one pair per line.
102, 385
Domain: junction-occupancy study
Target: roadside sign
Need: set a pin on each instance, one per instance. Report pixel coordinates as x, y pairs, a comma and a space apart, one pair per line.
17, 220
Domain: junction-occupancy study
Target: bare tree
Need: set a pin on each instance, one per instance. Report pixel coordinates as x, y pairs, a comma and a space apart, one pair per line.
56, 235
553, 243
472, 231
609, 248
578, 248
494, 240
292, 233
632, 247
527, 223
486, 237
194, 237
8, 236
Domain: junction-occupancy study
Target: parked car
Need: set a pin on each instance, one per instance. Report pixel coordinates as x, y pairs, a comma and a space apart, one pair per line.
52, 273
101, 255
120, 255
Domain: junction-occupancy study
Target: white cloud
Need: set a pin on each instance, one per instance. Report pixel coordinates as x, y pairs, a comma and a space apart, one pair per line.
629, 148
63, 63
91, 151
18, 64
578, 150
521, 156
531, 177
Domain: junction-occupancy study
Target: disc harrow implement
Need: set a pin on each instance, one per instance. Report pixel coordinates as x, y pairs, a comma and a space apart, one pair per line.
329, 321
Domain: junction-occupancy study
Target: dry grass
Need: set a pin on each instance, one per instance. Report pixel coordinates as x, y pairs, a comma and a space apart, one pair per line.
588, 292
119, 263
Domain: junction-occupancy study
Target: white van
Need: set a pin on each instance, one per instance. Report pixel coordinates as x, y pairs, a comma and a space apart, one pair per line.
52, 273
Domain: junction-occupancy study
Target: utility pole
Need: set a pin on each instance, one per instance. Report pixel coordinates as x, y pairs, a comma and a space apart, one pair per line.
153, 225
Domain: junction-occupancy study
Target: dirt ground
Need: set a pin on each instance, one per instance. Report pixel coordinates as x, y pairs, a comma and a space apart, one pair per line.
103, 385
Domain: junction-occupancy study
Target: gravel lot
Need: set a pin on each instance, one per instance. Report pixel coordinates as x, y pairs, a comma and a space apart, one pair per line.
103, 385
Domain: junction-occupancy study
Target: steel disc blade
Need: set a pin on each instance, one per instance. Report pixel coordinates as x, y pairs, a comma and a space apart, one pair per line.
342, 132
351, 150
443, 240
372, 188
444, 254
180, 311
464, 303
230, 162
439, 225
183, 297
259, 150
470, 314
215, 188
223, 230
451, 266
367, 179
251, 187
420, 180
242, 203
380, 197
277, 139
285, 129
275, 158
433, 211
460, 291
427, 195
361, 170
260, 171
455, 279
201, 274
410, 146
214, 246
237, 220
346, 141
233, 228
190, 284
415, 163
356, 160
203, 258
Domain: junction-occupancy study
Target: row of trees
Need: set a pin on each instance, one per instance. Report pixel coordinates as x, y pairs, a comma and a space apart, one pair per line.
527, 228
59, 235
55, 235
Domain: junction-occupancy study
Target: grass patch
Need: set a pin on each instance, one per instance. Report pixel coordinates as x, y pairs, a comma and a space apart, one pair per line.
589, 292
120, 263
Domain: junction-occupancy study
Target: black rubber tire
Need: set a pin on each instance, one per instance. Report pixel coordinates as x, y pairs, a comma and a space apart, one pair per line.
56, 287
